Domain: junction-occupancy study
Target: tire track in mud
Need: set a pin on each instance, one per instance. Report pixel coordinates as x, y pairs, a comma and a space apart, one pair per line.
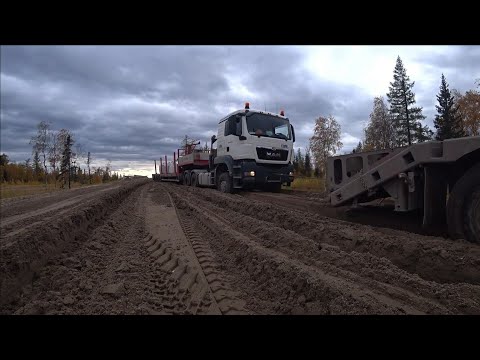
225, 298
434, 259
22, 213
346, 275
196, 280
185, 285
24, 255
110, 272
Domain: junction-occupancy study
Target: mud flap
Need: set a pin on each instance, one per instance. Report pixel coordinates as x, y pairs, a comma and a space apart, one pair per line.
434, 196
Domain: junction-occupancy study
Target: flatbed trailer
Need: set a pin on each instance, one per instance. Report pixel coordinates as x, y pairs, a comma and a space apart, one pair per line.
184, 161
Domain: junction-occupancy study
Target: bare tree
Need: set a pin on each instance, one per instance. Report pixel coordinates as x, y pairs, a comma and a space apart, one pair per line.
78, 156
79, 153
379, 133
41, 143
89, 161
469, 109
55, 153
325, 141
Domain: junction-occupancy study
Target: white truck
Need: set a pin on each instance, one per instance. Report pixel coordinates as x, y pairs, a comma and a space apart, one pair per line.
254, 150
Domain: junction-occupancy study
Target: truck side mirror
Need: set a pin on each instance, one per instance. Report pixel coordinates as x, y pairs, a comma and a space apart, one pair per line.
293, 133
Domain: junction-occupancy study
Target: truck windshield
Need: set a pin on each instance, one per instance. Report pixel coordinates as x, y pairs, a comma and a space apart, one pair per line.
268, 125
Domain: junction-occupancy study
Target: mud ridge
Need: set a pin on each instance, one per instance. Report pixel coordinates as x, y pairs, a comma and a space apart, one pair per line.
270, 262
23, 255
434, 259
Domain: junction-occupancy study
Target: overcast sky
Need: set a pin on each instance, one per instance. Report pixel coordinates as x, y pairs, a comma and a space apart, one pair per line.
132, 104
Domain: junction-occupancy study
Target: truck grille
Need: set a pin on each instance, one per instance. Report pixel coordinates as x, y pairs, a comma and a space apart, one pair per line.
269, 154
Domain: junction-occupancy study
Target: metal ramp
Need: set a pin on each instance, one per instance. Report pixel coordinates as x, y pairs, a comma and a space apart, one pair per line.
432, 152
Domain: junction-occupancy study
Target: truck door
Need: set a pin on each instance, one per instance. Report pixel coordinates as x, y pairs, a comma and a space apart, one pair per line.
231, 139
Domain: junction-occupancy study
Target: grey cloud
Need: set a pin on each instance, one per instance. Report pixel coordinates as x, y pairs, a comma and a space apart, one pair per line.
133, 104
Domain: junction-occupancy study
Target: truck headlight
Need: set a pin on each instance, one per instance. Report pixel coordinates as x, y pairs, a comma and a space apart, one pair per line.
249, 173
290, 173
252, 173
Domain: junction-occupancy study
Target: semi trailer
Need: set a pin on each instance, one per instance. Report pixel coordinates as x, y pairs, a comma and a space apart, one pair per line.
439, 178
253, 149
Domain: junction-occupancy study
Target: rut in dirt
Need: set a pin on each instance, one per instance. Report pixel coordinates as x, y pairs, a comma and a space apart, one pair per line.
24, 250
135, 260
156, 248
283, 271
435, 259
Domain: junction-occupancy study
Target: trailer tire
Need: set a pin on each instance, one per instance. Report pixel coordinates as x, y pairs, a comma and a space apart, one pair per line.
188, 179
225, 183
194, 179
463, 208
472, 216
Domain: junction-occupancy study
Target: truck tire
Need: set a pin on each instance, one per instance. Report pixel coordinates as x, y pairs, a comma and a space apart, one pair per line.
225, 183
194, 179
463, 208
188, 179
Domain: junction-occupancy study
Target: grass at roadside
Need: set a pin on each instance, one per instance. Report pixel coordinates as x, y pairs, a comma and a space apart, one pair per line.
16, 190
307, 184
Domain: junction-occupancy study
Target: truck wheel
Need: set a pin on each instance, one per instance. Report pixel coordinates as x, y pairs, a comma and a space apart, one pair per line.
188, 178
463, 208
194, 179
225, 183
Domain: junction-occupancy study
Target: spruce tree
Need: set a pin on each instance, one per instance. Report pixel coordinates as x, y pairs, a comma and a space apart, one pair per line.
405, 116
300, 162
448, 121
308, 163
359, 148
65, 167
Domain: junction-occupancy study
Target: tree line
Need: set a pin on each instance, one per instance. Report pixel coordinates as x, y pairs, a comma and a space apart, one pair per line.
399, 124
56, 158
396, 123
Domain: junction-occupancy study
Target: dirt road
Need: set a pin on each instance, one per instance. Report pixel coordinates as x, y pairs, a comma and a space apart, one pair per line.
141, 247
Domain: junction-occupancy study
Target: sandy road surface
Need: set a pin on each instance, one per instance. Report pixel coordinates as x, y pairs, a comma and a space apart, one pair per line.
154, 248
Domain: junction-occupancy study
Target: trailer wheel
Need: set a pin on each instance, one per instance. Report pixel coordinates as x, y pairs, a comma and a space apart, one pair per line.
225, 183
194, 179
472, 216
463, 208
188, 179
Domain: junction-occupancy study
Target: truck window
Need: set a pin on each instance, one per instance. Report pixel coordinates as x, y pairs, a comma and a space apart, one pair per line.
230, 126
268, 125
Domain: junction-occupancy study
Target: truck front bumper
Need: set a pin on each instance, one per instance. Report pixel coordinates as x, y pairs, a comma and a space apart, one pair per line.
265, 174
